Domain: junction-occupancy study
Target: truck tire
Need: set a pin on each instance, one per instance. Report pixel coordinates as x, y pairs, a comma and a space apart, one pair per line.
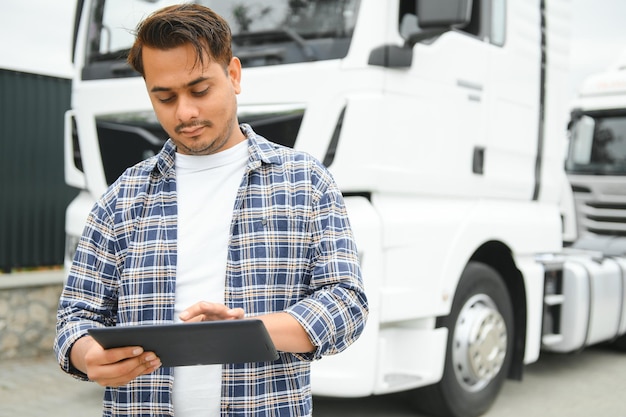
479, 348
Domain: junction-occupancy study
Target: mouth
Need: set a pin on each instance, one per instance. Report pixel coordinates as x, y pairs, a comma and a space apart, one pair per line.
192, 129
191, 132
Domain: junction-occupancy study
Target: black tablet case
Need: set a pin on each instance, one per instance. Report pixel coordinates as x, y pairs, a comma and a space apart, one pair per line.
203, 343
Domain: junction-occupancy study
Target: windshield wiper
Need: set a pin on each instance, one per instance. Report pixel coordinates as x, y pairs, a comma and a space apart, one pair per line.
269, 36
306, 49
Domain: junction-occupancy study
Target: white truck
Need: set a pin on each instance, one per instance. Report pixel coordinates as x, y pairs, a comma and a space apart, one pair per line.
596, 161
443, 122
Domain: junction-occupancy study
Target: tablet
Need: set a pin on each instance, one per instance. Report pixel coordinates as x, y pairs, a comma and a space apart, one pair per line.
202, 343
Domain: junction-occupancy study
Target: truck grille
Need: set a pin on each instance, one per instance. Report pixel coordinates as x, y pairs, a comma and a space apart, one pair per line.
600, 207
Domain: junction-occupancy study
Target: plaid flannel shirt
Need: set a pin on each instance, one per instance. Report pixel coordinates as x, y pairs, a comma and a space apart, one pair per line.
291, 249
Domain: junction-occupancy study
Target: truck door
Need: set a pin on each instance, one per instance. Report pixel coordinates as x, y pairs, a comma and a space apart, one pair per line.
444, 99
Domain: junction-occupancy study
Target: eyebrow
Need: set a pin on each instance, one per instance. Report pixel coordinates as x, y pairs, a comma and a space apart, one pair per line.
198, 80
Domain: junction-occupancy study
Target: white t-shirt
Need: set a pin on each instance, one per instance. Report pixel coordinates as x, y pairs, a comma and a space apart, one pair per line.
207, 187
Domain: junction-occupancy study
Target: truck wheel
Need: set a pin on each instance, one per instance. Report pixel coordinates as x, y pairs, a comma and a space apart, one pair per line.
479, 349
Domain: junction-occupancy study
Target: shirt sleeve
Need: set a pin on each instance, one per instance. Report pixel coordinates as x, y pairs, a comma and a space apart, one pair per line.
336, 312
88, 299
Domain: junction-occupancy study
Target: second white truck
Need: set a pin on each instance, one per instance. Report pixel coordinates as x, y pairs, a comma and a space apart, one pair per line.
596, 161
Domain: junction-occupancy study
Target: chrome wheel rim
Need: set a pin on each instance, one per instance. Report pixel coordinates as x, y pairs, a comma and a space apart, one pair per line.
480, 343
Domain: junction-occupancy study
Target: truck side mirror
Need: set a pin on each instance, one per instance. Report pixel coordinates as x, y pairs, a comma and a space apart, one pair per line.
444, 13
435, 17
582, 140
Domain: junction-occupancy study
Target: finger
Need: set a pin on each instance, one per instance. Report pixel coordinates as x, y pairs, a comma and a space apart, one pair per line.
118, 366
121, 373
115, 355
197, 319
97, 356
191, 313
225, 314
235, 313
204, 311
145, 364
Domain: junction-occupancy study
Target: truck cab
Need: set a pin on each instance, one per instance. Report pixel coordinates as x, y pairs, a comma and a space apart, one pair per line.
596, 160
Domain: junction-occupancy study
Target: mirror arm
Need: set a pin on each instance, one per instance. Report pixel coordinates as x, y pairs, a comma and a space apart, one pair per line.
423, 35
394, 56
391, 56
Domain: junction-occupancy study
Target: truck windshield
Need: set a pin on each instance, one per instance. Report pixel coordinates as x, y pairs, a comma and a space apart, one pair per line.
265, 32
602, 149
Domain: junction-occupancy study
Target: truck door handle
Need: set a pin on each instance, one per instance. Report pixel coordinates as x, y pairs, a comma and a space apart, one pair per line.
478, 160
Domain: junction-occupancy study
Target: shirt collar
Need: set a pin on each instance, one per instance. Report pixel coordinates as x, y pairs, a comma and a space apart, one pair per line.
166, 159
260, 149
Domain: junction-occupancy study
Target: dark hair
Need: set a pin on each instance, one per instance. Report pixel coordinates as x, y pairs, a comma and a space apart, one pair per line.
182, 24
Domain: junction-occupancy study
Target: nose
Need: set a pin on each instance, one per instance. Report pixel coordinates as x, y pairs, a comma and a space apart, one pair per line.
187, 109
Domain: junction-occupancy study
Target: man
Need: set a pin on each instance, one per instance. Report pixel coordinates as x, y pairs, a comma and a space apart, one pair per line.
221, 224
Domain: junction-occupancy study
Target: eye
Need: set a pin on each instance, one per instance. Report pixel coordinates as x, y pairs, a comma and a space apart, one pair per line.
200, 93
166, 99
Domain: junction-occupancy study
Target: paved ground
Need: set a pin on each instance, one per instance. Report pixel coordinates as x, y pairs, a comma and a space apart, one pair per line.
588, 384
37, 388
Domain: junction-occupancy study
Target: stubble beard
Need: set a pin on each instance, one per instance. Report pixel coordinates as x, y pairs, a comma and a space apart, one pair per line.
203, 148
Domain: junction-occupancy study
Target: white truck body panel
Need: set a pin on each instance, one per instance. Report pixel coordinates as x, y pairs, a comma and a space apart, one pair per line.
37, 42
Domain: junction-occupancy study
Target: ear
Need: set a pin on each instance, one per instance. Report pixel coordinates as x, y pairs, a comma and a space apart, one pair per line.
234, 73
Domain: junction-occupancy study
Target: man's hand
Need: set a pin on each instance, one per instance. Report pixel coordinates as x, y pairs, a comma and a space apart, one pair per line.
205, 311
286, 333
112, 367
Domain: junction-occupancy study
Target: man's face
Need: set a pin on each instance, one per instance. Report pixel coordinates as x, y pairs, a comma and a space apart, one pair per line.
196, 104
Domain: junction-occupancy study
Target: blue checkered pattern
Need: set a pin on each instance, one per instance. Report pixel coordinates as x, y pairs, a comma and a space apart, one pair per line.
291, 249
